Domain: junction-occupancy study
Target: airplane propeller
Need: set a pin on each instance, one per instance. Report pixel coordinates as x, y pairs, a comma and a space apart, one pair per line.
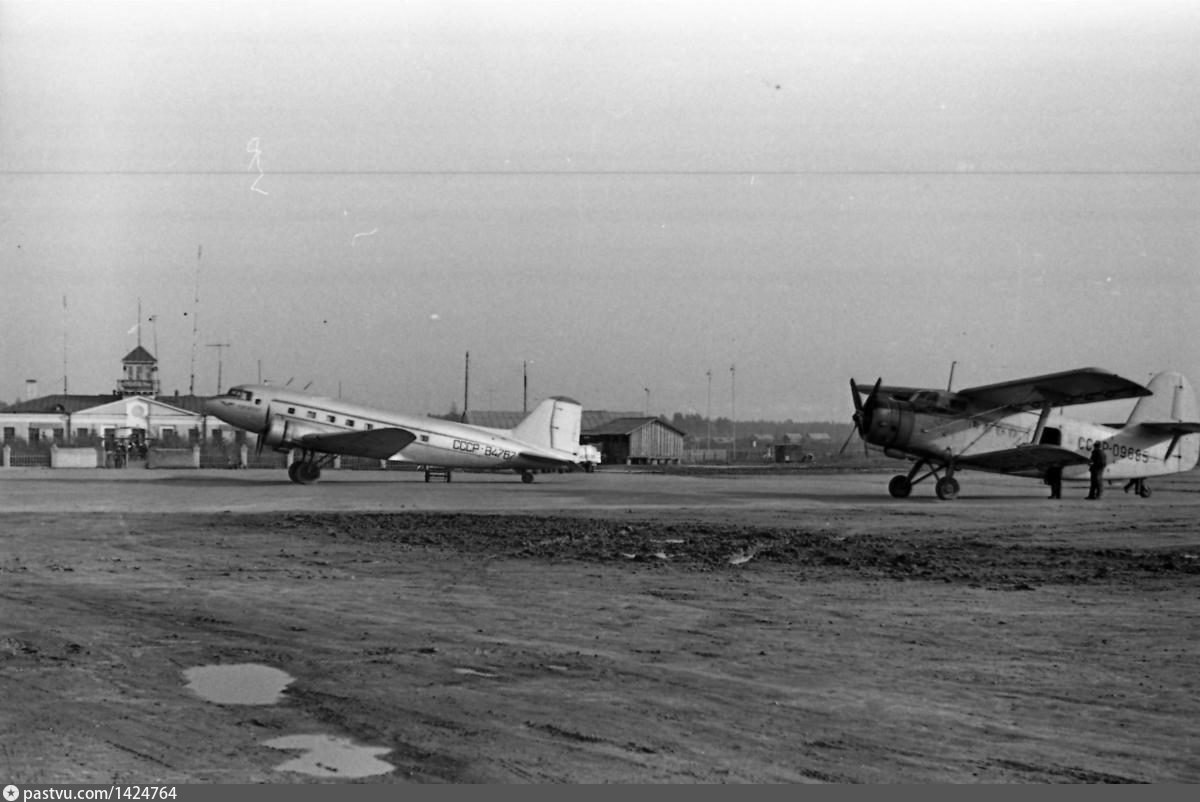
862, 412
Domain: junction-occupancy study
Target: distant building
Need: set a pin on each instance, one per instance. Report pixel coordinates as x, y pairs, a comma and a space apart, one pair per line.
636, 440
132, 413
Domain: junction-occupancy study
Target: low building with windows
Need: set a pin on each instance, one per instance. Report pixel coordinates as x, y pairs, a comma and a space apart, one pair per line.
133, 416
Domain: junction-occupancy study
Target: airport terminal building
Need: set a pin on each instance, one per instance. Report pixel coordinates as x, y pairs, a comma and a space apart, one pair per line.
132, 416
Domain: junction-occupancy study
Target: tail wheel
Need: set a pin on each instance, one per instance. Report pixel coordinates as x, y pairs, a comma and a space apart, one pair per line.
900, 486
946, 488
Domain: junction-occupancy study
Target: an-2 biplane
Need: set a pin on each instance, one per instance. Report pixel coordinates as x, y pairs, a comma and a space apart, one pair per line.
1007, 428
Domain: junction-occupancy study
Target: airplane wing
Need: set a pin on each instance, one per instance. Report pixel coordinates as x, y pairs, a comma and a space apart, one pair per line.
1167, 428
375, 444
1023, 458
1081, 386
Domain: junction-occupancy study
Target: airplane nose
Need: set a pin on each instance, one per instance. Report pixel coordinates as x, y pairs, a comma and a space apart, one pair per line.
216, 408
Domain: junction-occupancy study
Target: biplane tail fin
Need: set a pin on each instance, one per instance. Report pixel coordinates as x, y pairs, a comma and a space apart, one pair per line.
1171, 413
1173, 401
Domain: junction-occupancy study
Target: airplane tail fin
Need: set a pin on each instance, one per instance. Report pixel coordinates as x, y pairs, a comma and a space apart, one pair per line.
1173, 401
555, 423
1172, 412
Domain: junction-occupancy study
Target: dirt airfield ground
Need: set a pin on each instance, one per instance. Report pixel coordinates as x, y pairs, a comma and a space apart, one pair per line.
608, 627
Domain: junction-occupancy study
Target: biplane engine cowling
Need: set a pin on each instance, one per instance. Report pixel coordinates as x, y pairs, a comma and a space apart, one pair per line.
890, 423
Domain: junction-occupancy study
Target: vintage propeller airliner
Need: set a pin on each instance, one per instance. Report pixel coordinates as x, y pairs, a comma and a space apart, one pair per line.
1007, 428
324, 428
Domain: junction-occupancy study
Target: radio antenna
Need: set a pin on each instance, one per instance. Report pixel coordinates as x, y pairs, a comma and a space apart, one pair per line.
196, 321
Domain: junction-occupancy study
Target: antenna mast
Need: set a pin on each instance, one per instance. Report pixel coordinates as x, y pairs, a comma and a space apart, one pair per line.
65, 347
466, 386
196, 323
220, 350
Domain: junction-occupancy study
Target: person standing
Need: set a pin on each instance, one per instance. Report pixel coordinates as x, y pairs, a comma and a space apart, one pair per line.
1096, 466
1054, 479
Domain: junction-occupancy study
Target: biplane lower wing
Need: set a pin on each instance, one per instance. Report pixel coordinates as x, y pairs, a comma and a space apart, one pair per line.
1023, 459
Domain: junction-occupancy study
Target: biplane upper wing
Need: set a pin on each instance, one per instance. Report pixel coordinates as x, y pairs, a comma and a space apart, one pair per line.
1080, 386
1023, 459
375, 444
1169, 428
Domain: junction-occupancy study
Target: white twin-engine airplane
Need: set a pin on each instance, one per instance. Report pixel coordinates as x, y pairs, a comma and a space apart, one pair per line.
1006, 428
324, 428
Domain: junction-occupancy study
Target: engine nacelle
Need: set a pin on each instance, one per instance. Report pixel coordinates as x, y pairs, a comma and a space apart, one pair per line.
282, 434
890, 423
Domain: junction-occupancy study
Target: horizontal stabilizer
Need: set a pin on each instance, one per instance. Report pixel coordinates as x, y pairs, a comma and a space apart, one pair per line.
543, 460
375, 444
1023, 458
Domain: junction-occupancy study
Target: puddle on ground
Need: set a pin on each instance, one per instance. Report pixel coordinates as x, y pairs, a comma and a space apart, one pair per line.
238, 683
325, 756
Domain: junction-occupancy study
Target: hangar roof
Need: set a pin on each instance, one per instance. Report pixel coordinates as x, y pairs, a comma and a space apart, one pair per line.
628, 425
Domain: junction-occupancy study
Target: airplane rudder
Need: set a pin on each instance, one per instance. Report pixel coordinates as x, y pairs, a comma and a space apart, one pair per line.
566, 425
1173, 399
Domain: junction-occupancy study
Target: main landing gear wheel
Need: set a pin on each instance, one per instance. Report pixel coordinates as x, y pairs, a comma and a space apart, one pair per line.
1144, 490
946, 488
304, 473
900, 486
527, 477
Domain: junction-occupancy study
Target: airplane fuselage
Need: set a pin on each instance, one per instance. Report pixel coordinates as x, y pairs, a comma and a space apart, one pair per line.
1132, 451
283, 419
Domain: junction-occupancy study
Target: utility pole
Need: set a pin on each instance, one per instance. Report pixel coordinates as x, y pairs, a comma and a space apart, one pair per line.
708, 411
220, 351
466, 386
647, 389
195, 320
525, 386
65, 356
733, 406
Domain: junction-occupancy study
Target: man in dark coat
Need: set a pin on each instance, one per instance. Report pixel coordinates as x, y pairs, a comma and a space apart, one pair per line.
1096, 467
1054, 479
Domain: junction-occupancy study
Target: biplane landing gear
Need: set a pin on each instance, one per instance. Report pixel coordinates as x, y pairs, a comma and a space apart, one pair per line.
527, 477
946, 488
900, 486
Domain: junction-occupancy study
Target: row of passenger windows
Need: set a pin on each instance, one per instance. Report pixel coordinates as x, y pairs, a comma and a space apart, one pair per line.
312, 415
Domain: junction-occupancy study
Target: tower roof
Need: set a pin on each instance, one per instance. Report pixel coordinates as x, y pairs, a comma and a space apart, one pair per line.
139, 356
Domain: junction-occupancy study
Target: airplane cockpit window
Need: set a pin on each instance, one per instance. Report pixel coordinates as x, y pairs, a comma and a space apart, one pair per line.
240, 394
938, 402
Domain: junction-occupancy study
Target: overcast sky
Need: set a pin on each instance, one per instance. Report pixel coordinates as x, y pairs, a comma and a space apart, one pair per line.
625, 196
